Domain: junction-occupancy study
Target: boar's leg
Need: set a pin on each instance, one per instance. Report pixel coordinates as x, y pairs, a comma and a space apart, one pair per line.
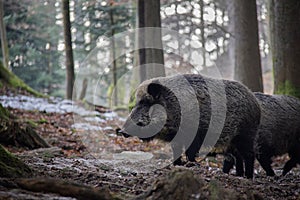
177, 149
228, 162
264, 158
265, 162
249, 163
239, 164
231, 159
194, 148
289, 165
295, 158
245, 149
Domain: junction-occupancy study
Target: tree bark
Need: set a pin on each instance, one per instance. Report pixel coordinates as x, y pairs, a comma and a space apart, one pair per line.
70, 75
4, 45
247, 56
13, 132
113, 52
149, 16
11, 166
285, 45
202, 27
83, 89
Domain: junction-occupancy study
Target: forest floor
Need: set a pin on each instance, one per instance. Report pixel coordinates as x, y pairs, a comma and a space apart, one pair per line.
100, 158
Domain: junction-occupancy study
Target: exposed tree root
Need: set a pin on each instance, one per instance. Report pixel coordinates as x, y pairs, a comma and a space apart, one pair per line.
64, 188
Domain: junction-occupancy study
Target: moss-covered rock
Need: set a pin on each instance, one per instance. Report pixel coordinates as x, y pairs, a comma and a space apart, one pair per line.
11, 166
183, 184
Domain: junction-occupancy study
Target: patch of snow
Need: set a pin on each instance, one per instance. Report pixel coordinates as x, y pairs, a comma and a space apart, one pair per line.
110, 115
94, 119
133, 156
86, 126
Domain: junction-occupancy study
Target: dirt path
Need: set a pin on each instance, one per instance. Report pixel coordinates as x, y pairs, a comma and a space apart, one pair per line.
74, 158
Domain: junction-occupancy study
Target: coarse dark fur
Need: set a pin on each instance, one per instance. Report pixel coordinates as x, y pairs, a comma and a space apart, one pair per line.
279, 131
242, 116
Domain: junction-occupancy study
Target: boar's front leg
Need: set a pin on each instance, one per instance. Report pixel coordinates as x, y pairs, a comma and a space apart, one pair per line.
177, 149
194, 148
245, 148
231, 159
228, 162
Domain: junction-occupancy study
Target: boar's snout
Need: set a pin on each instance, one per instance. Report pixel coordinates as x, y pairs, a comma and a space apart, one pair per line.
122, 132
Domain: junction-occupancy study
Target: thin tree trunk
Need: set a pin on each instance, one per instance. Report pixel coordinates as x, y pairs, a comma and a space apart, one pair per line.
68, 48
4, 45
247, 55
83, 89
231, 42
202, 32
113, 51
285, 44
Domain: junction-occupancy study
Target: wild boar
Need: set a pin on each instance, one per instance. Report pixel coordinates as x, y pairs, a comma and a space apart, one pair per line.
190, 110
279, 131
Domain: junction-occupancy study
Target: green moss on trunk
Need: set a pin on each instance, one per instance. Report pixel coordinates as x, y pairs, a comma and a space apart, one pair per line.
287, 88
11, 166
10, 79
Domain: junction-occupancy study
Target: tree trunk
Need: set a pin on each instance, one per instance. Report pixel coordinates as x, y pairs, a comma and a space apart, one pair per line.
247, 56
113, 54
202, 27
83, 89
13, 132
285, 44
229, 73
149, 16
68, 48
4, 45
141, 41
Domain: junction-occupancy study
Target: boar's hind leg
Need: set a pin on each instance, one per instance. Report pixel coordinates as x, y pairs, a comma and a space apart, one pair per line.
264, 158
295, 158
289, 165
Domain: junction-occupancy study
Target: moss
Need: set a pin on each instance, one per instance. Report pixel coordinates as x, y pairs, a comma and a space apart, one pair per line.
42, 121
11, 167
31, 123
18, 132
12, 80
132, 101
287, 88
4, 113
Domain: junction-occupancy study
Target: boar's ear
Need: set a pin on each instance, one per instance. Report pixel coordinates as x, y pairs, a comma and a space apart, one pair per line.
154, 90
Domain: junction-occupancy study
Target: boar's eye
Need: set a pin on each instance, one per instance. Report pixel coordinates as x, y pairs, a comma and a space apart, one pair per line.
142, 101
155, 90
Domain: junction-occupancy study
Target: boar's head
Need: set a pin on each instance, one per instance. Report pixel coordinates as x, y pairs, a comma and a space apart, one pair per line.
155, 113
